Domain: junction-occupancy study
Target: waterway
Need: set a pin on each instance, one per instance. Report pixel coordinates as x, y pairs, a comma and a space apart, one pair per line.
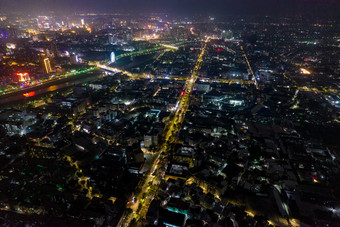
21, 97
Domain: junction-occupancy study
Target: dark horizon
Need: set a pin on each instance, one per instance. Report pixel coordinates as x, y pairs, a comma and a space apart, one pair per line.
317, 8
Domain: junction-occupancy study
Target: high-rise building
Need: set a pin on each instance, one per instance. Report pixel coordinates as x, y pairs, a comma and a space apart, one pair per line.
54, 50
113, 57
73, 59
139, 35
48, 53
112, 39
47, 64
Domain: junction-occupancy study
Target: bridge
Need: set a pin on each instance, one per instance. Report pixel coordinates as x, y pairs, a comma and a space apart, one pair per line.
140, 52
162, 47
171, 47
116, 70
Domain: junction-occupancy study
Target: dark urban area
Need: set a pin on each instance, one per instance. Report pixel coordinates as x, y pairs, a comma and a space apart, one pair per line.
170, 113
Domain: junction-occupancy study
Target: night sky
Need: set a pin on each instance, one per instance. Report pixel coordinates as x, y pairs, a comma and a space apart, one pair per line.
221, 7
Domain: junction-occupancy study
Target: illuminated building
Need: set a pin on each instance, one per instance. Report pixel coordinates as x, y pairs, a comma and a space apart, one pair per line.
23, 77
8, 33
48, 53
11, 46
47, 65
112, 39
46, 25
113, 57
138, 35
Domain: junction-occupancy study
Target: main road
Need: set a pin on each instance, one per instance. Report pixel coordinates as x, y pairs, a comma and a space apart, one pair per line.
250, 69
153, 179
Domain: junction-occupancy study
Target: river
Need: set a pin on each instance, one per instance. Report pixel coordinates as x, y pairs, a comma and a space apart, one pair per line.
21, 97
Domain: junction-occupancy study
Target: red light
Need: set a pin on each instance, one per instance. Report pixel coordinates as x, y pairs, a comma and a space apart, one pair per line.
29, 94
183, 92
219, 50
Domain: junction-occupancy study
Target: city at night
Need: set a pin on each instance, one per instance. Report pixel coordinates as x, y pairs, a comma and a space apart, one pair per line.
170, 113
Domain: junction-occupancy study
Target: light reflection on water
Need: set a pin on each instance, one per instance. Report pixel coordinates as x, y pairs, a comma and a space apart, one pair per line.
53, 88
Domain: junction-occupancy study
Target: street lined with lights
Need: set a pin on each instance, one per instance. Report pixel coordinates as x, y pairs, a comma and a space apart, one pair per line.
155, 174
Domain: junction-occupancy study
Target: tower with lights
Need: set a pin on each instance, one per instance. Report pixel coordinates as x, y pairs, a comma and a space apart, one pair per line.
47, 64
